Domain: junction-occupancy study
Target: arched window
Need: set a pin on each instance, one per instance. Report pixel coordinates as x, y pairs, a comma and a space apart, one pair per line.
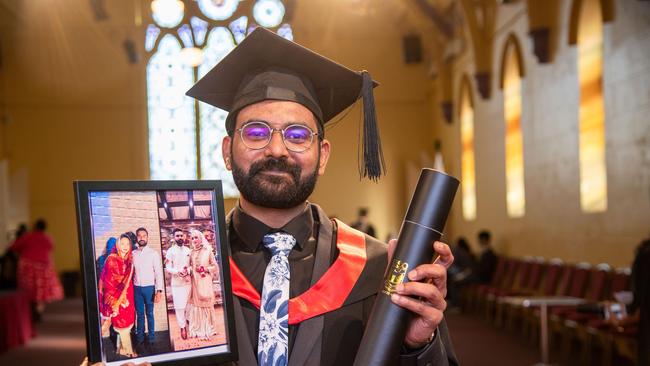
185, 39
593, 170
511, 74
468, 175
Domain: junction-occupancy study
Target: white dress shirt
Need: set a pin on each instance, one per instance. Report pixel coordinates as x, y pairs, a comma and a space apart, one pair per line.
177, 258
148, 268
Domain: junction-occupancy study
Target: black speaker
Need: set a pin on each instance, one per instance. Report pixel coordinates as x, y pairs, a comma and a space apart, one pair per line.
412, 48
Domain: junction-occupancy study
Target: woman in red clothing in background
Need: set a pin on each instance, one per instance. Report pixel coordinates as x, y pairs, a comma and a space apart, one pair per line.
36, 273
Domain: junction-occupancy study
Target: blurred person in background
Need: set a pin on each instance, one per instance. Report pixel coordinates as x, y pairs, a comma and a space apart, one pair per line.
487, 261
36, 274
639, 309
363, 224
9, 263
460, 273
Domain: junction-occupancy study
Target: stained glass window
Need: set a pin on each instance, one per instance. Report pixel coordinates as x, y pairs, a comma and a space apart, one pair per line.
515, 193
213, 120
593, 171
468, 176
185, 40
268, 13
167, 13
172, 141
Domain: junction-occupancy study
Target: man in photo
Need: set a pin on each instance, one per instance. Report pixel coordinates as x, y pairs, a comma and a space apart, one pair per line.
148, 286
177, 263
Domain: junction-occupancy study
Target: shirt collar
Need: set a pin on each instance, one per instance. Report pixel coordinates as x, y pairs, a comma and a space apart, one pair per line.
142, 249
251, 231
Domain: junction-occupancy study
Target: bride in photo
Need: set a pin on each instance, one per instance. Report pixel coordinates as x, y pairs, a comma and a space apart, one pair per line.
201, 314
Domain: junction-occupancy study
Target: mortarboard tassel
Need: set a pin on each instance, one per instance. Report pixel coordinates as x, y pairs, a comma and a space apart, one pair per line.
372, 164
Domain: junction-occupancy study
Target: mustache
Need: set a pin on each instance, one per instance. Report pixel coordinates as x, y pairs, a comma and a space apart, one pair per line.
274, 164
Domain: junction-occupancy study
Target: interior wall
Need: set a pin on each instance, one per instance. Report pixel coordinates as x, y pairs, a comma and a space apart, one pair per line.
554, 225
370, 38
75, 107
77, 111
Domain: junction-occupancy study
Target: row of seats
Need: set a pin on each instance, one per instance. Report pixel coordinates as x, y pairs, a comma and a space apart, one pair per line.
577, 332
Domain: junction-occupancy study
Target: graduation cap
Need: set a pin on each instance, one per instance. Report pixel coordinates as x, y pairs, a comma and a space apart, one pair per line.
265, 66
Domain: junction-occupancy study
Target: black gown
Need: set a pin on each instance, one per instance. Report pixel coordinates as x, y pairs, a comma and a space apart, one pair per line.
334, 337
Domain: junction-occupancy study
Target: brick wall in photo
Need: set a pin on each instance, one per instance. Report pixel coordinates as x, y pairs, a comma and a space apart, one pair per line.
114, 213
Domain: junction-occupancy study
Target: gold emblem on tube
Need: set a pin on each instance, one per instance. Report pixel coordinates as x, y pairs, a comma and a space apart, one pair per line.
395, 276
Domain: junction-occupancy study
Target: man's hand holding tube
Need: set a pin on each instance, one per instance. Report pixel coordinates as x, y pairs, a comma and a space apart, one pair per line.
429, 283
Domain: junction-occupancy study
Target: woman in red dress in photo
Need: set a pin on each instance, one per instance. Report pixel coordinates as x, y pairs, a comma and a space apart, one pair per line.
36, 274
116, 294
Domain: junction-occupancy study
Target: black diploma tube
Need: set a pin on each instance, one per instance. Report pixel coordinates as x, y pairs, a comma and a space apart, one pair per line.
423, 224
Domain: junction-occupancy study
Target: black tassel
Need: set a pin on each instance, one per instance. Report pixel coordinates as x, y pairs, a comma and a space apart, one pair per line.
372, 163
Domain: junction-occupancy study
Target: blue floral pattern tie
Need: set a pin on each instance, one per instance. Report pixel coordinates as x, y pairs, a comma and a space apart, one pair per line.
273, 339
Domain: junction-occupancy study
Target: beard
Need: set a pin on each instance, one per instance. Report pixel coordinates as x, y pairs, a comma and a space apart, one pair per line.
180, 242
274, 191
142, 243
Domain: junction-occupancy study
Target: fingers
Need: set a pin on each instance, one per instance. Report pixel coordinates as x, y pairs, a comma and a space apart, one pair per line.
430, 294
431, 314
431, 272
426, 321
445, 258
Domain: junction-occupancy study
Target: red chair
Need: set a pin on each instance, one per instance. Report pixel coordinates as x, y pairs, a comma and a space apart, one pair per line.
520, 287
597, 334
471, 295
507, 285
564, 287
542, 276
566, 323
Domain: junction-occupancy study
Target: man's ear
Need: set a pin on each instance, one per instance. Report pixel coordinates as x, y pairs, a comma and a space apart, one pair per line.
324, 156
225, 151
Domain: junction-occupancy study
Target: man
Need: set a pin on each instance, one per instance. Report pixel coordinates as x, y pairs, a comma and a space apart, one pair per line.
147, 288
487, 262
269, 85
177, 263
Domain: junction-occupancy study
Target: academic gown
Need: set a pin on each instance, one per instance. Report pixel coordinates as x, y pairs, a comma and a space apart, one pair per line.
333, 338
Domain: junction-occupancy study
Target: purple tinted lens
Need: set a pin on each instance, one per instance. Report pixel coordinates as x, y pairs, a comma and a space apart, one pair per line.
256, 132
297, 135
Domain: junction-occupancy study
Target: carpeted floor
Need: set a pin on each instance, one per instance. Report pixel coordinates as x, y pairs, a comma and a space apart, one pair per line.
478, 343
60, 338
61, 341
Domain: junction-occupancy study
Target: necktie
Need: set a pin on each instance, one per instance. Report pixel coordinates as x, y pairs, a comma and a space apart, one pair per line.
273, 339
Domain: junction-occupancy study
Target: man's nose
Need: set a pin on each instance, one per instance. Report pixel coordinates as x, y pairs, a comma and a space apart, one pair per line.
276, 146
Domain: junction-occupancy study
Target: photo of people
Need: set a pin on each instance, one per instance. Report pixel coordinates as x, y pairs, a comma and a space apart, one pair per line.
192, 280
130, 285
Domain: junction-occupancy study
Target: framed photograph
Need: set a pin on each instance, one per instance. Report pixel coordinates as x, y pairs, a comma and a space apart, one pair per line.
156, 273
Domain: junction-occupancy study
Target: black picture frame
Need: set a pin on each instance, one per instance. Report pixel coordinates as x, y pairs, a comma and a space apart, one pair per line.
86, 193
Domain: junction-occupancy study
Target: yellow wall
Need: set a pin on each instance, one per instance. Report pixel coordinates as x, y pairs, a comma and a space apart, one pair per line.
76, 110
77, 107
554, 225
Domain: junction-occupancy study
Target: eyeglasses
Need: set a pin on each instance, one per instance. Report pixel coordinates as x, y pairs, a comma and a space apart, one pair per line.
257, 135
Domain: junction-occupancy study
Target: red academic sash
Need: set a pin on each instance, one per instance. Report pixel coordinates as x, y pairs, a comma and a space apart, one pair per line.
330, 292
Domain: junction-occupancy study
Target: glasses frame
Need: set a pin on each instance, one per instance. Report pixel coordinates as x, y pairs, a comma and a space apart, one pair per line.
274, 130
